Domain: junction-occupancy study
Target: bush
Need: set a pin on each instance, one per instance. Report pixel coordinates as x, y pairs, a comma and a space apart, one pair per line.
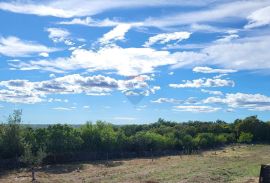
245, 137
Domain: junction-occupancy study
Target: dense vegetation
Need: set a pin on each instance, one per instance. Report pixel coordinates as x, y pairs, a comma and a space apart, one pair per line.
24, 143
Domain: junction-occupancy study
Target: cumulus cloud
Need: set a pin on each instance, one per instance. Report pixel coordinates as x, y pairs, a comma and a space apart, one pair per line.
196, 109
15, 47
259, 18
240, 54
256, 102
209, 70
59, 35
17, 96
167, 37
24, 91
125, 61
203, 82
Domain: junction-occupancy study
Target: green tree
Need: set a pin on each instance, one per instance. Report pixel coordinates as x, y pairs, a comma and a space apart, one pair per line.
1, 140
62, 139
245, 137
31, 159
12, 136
107, 136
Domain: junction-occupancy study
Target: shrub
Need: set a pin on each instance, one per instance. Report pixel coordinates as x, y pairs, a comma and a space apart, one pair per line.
245, 137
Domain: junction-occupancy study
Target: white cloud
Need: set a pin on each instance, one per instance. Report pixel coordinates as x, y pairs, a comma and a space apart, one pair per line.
249, 53
203, 82
216, 13
219, 76
44, 54
230, 110
171, 73
241, 54
125, 61
209, 70
195, 27
52, 76
88, 21
64, 108
15, 47
227, 38
143, 91
257, 102
117, 33
57, 100
76, 8
86, 107
188, 101
59, 35
259, 18
24, 91
125, 118
196, 109
16, 96
167, 37
212, 92
167, 100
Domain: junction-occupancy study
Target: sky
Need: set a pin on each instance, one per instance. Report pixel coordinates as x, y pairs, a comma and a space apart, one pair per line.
132, 61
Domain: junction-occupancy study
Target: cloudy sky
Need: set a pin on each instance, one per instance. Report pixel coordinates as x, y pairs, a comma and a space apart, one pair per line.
134, 61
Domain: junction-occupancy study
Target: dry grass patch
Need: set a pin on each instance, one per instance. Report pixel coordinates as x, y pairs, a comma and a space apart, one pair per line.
231, 164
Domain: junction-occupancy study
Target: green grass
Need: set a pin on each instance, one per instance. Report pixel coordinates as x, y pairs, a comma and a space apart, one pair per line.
238, 164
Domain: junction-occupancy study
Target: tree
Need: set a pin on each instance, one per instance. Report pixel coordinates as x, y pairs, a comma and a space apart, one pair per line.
1, 140
254, 126
188, 143
91, 137
12, 136
62, 139
245, 137
31, 159
107, 136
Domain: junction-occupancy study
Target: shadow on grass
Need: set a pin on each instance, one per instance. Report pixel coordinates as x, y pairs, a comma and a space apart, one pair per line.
76, 167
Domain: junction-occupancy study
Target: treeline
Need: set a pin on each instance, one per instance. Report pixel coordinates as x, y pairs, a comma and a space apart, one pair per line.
24, 143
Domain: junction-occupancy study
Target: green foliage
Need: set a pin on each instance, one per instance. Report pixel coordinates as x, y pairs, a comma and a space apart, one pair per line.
63, 138
245, 137
149, 141
253, 125
32, 159
30, 143
12, 136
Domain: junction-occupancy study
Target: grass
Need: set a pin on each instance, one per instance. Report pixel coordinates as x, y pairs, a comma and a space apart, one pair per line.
231, 164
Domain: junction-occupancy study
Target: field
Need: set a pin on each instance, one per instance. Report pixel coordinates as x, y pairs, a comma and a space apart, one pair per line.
230, 164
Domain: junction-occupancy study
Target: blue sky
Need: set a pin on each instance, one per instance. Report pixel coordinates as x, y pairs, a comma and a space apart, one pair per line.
134, 61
